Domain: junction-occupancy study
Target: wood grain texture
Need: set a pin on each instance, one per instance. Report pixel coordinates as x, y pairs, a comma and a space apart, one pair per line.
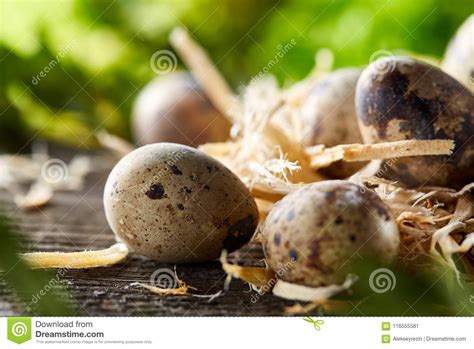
75, 221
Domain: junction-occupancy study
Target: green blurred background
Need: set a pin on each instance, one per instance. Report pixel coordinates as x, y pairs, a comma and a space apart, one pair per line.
105, 49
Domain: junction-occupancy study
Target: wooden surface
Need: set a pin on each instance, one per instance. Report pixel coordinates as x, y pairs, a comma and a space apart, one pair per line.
75, 221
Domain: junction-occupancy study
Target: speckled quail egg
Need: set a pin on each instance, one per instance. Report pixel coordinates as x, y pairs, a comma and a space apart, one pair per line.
174, 108
312, 233
329, 117
400, 98
459, 57
175, 204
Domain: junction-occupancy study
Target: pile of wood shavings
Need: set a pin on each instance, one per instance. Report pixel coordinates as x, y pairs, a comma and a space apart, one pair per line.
264, 155
266, 152
434, 223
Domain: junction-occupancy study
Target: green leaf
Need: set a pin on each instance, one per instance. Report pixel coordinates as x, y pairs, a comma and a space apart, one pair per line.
37, 291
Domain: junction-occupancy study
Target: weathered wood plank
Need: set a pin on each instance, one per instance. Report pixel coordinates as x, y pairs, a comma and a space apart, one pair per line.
75, 221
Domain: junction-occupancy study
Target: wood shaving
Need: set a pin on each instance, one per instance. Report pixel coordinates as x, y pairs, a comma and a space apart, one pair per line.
443, 238
256, 276
428, 218
117, 145
76, 260
181, 290
39, 194
323, 157
196, 58
303, 293
209, 297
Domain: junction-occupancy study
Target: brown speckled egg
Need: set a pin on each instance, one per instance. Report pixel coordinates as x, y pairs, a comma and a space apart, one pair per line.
174, 108
329, 117
175, 204
408, 99
310, 235
459, 57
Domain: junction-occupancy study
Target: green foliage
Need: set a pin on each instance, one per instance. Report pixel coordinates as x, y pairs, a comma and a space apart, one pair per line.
83, 62
31, 287
410, 292
355, 29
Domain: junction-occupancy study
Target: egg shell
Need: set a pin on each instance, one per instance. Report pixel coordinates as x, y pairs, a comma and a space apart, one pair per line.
310, 236
329, 117
174, 108
175, 204
459, 57
399, 98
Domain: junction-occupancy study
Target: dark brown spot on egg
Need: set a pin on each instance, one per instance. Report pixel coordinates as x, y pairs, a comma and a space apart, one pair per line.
277, 239
330, 196
156, 191
185, 189
240, 233
293, 255
175, 170
180, 207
